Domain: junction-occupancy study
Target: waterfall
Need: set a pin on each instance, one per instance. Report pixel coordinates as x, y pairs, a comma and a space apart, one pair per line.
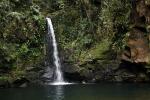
58, 73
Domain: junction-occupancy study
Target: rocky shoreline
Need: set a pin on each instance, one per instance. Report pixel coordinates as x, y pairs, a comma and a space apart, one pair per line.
112, 71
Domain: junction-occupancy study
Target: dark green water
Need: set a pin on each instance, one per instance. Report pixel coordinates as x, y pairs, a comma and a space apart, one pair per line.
79, 92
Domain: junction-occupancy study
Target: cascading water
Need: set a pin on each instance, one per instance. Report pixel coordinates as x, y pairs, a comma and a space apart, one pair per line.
58, 73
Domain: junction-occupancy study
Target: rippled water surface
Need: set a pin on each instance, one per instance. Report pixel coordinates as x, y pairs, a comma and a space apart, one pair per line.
101, 91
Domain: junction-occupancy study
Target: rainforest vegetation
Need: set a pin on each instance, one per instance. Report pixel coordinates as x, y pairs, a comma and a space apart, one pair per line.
97, 39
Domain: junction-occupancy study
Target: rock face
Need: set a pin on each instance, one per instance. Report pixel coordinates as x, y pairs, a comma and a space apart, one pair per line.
134, 58
137, 49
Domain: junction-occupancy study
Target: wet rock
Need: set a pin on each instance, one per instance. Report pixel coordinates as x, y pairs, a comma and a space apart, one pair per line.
73, 77
23, 82
124, 75
118, 78
92, 71
71, 72
23, 85
142, 77
48, 75
4, 84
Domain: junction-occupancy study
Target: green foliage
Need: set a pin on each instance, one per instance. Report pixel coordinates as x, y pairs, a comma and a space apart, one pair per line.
121, 13
97, 52
21, 36
84, 29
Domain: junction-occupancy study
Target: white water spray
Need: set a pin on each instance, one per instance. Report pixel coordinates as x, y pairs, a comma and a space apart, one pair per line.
58, 73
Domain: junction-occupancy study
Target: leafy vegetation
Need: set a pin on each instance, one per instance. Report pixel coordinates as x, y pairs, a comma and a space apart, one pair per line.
21, 37
85, 29
86, 25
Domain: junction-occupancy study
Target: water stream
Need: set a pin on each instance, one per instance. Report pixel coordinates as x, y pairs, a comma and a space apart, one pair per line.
58, 73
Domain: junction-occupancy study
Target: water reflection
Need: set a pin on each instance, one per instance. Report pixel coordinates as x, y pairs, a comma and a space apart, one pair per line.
79, 92
58, 93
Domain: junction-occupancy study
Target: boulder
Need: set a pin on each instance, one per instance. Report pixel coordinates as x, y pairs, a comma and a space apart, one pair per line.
4, 84
22, 82
137, 49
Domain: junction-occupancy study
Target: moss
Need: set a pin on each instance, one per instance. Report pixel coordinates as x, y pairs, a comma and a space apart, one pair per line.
97, 52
